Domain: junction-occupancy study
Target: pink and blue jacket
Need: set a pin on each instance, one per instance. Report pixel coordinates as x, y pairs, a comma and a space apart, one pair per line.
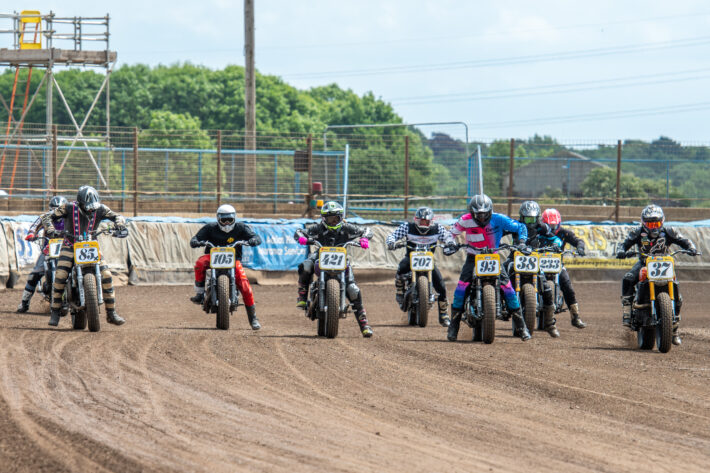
489, 236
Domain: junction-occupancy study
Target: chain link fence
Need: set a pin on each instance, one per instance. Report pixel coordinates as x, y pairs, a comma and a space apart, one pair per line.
383, 173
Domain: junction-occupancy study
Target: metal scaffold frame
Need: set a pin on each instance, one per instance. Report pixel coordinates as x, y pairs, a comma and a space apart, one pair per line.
40, 52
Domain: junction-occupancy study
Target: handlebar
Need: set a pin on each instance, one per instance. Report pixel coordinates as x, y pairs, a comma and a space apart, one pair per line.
631, 254
114, 231
318, 244
209, 244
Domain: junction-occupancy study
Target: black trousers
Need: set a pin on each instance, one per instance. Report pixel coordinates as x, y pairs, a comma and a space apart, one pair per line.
436, 278
567, 290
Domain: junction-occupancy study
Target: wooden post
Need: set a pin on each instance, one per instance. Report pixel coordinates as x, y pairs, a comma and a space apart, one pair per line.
406, 176
135, 171
55, 177
219, 168
618, 179
510, 177
249, 99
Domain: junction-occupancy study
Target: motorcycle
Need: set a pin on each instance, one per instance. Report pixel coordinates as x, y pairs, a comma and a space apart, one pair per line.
551, 265
482, 304
526, 268
653, 311
419, 293
221, 294
83, 289
54, 248
326, 297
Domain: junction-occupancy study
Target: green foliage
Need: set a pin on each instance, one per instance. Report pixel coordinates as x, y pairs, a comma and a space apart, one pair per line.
601, 183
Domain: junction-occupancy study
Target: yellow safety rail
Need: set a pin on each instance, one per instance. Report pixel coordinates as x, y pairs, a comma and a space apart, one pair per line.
31, 17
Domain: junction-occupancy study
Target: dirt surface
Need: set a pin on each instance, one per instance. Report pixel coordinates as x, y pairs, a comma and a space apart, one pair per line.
168, 392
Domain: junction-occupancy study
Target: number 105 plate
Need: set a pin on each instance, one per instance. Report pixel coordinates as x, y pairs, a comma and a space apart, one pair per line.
222, 258
332, 258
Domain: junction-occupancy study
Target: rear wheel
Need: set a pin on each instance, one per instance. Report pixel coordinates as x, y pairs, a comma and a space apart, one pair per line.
332, 303
423, 306
664, 329
223, 302
529, 304
488, 323
91, 302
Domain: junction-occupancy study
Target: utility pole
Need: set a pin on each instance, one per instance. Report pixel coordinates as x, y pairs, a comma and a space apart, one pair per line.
249, 98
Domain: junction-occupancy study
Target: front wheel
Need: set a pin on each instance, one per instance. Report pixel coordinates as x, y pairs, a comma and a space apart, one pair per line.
529, 306
223, 302
488, 323
91, 302
423, 305
664, 329
332, 306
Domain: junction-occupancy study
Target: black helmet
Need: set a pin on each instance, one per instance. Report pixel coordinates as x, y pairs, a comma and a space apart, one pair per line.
652, 219
423, 218
481, 209
530, 213
88, 199
57, 201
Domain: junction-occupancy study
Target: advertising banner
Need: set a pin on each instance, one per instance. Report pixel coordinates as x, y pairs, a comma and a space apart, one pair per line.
278, 250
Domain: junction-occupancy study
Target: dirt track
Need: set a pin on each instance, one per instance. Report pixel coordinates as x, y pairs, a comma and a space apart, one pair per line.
167, 392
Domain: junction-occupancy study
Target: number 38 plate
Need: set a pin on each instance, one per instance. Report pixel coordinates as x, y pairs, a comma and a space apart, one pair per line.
222, 258
421, 261
332, 258
86, 252
487, 265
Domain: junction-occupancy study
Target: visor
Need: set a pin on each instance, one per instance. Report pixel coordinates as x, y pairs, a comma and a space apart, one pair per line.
653, 225
529, 220
424, 222
332, 220
226, 220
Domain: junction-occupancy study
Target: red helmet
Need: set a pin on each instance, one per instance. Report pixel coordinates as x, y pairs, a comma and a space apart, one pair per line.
553, 218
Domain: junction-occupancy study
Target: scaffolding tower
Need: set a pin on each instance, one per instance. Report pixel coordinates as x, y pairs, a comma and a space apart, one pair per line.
34, 37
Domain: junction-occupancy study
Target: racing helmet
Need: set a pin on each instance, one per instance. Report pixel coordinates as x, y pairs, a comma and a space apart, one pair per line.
652, 219
226, 218
88, 199
552, 218
481, 209
332, 213
530, 213
56, 202
423, 219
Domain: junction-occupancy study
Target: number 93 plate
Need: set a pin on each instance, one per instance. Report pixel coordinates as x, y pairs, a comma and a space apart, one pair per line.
487, 265
86, 252
222, 258
332, 258
421, 261
660, 268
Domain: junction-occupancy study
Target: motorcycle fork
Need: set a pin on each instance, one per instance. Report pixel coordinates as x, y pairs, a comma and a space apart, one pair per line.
321, 291
343, 290
213, 287
498, 301
479, 299
652, 298
233, 282
100, 288
80, 285
517, 283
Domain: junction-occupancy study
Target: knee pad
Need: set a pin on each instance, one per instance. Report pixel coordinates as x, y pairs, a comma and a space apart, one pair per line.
353, 291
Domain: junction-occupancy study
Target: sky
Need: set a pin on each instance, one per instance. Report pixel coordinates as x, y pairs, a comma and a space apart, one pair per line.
577, 71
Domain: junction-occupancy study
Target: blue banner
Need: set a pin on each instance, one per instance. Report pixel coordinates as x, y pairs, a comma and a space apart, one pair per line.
278, 250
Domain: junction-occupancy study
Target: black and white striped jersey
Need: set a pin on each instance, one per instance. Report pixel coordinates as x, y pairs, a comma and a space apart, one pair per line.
411, 233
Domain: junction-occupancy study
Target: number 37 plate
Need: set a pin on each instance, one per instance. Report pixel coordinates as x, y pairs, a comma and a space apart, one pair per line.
86, 252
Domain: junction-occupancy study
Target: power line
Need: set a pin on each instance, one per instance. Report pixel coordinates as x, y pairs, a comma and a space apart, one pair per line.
506, 61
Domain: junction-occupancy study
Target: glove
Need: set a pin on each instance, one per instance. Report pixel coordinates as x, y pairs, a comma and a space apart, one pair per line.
364, 243
195, 244
50, 231
450, 249
693, 252
525, 249
390, 245
621, 254
254, 241
580, 251
302, 240
30, 237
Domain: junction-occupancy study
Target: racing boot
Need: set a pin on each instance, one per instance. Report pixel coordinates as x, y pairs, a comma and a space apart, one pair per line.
365, 328
25, 302
454, 325
626, 310
399, 288
302, 297
113, 318
519, 327
549, 320
54, 317
574, 313
676, 338
251, 313
444, 318
198, 298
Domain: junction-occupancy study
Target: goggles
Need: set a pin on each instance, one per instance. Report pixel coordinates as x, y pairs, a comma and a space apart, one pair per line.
226, 220
653, 225
529, 220
422, 222
332, 220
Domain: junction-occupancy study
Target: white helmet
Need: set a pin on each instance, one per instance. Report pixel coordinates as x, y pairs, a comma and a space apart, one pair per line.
226, 218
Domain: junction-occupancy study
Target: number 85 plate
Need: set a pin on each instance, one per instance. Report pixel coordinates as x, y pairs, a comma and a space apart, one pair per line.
86, 252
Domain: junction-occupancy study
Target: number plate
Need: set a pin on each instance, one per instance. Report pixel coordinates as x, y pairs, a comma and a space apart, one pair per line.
551, 263
487, 265
55, 247
86, 252
332, 258
421, 261
527, 263
222, 258
660, 268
